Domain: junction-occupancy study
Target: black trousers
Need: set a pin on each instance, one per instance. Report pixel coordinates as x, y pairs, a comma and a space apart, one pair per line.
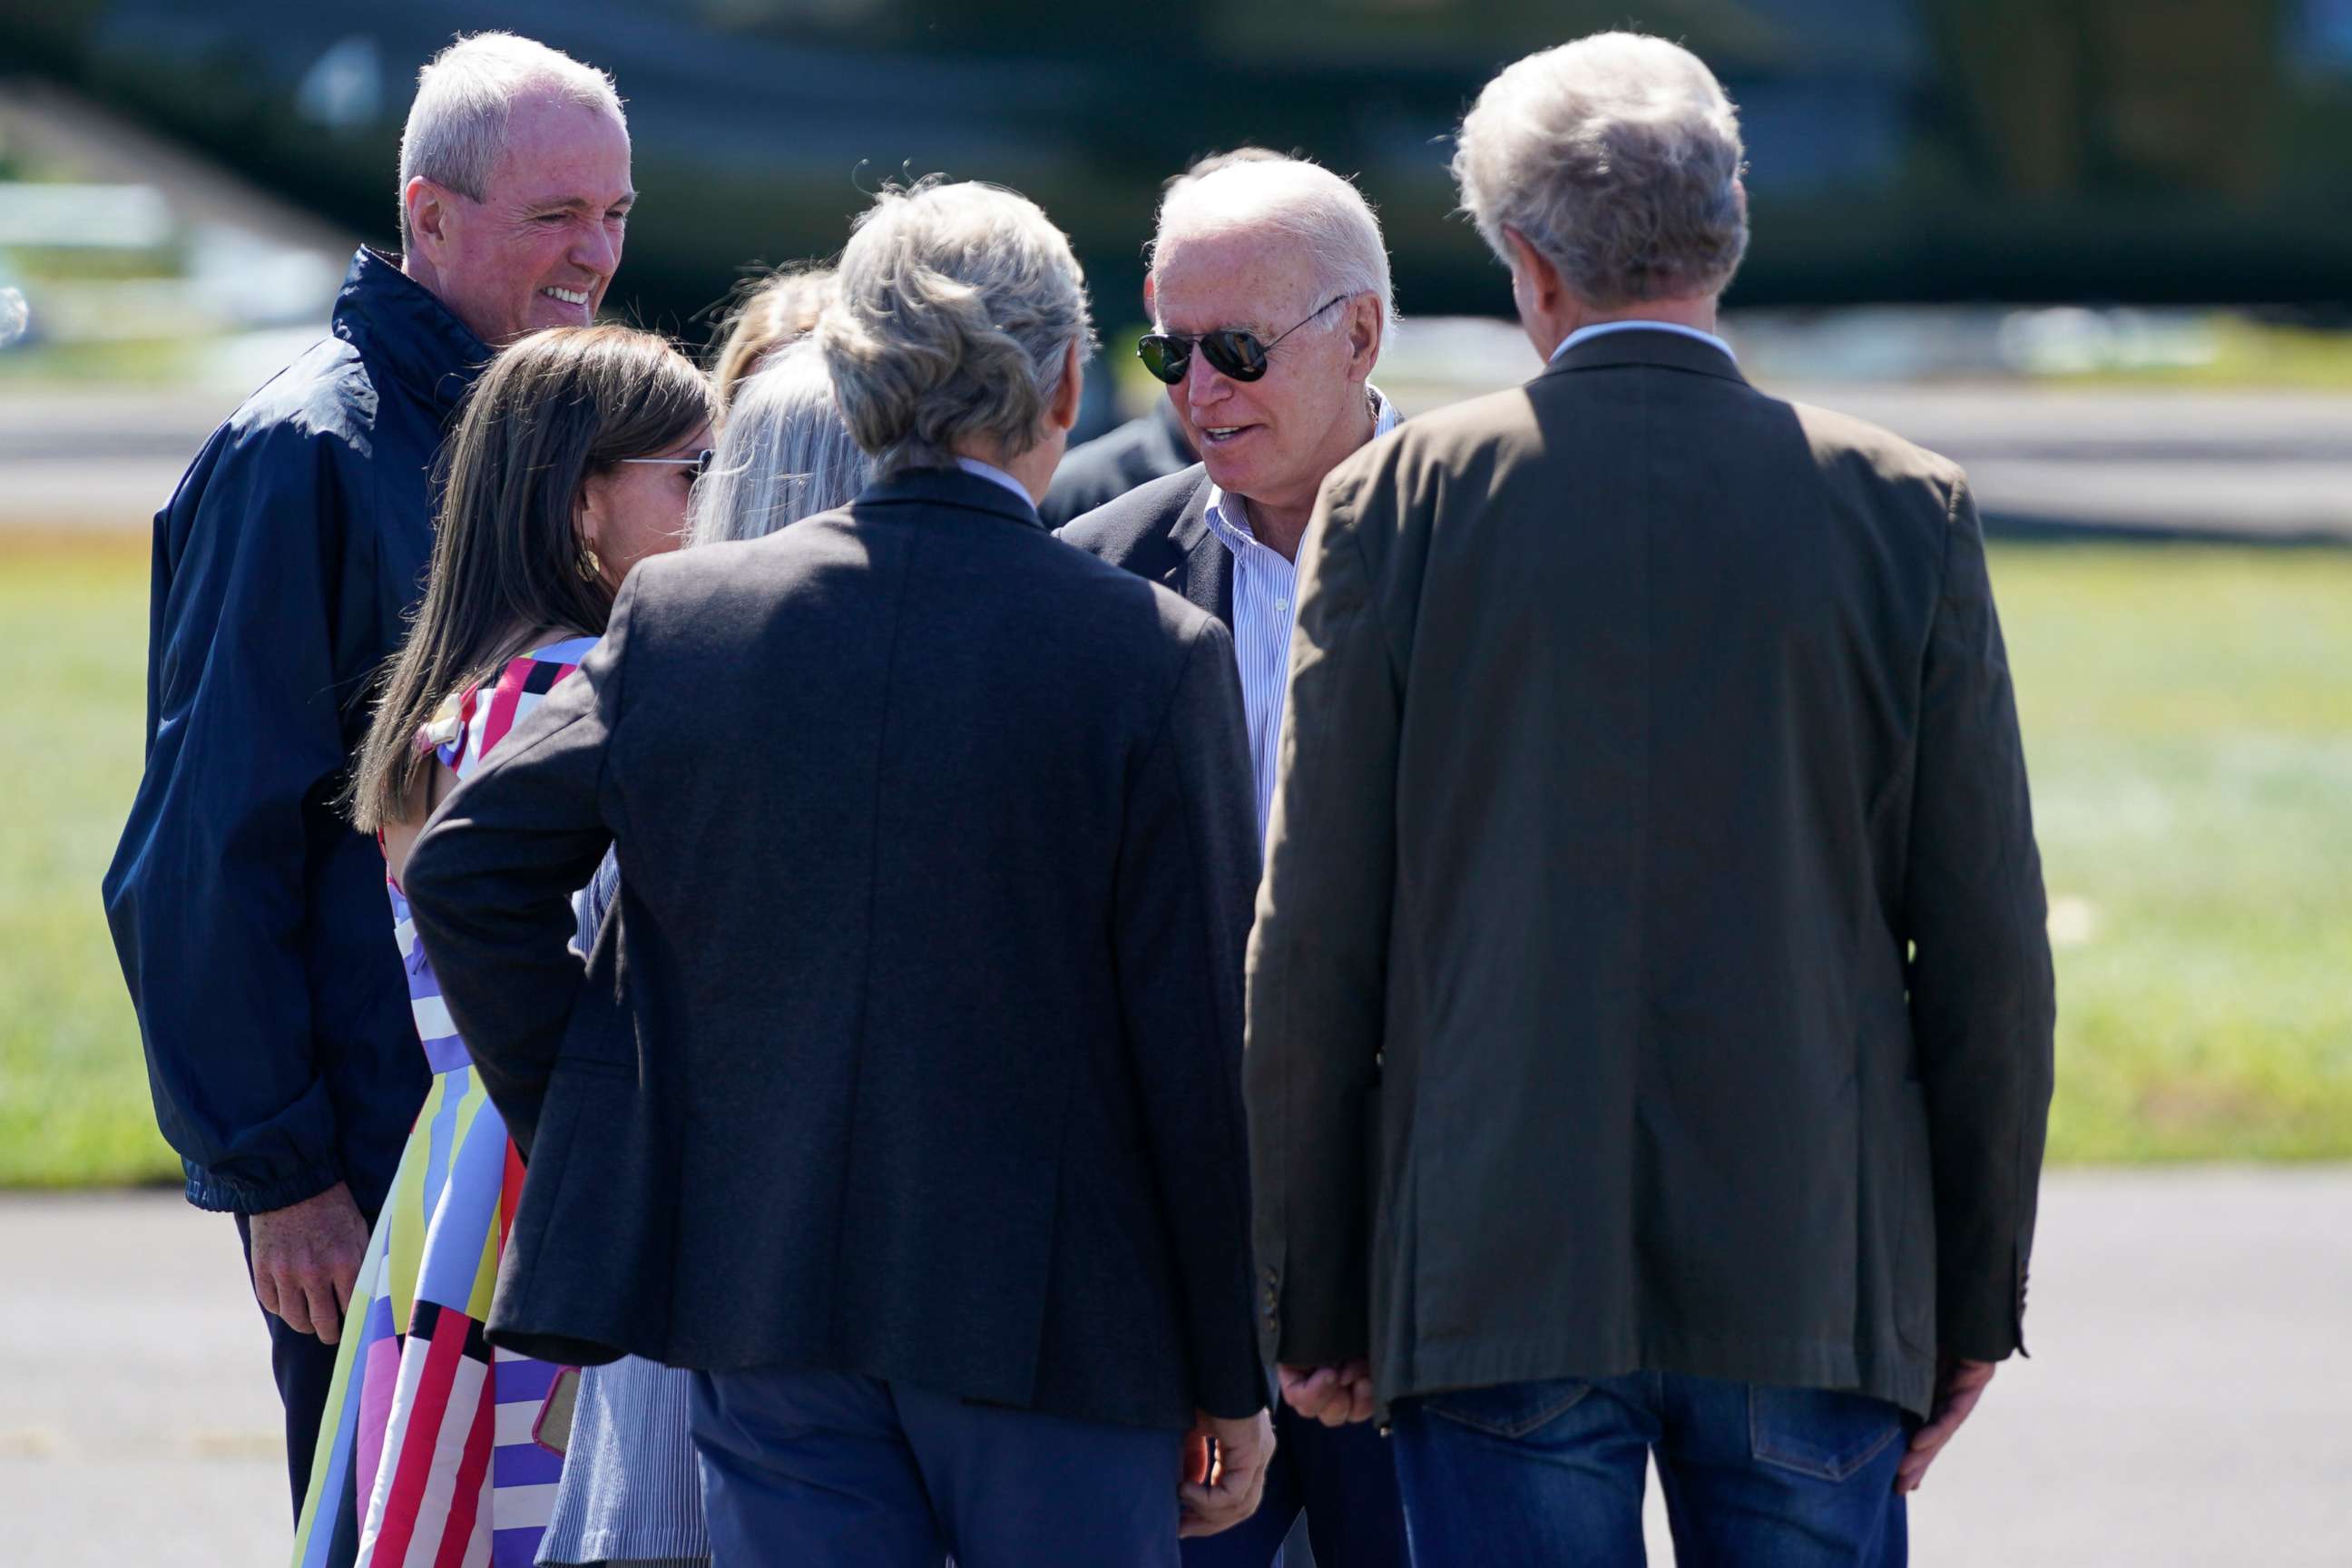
304, 1366
1343, 1479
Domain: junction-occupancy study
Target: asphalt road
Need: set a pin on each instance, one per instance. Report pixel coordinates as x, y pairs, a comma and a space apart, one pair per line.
2187, 1404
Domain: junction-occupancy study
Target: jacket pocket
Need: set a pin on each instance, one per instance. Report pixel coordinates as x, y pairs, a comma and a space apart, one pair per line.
1819, 1432
1512, 1410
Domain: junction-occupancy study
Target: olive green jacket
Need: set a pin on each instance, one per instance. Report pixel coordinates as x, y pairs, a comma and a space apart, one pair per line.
1649, 970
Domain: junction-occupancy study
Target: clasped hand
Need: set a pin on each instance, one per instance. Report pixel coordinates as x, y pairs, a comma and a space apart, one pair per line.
1334, 1396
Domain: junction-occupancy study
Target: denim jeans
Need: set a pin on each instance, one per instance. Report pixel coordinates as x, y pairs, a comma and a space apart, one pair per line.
1552, 1473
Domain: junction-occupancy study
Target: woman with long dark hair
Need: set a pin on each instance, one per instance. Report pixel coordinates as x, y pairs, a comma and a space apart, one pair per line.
574, 458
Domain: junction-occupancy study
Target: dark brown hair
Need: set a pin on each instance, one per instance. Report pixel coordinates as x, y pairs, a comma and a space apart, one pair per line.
508, 561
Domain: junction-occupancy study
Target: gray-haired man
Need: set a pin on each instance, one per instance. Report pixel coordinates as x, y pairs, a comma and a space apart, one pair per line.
250, 920
1271, 285
1649, 1008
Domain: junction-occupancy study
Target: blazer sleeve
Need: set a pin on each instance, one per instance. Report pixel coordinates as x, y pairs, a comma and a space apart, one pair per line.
1319, 954
209, 895
491, 878
1983, 1001
1187, 867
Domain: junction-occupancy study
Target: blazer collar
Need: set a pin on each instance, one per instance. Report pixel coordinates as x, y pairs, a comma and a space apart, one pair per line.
1667, 350
951, 487
1204, 573
1192, 522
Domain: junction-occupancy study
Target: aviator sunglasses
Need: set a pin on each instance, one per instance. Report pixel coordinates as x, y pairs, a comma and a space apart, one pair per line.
1231, 352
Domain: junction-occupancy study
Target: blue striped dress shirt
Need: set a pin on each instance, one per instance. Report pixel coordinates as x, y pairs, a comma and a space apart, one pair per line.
1266, 606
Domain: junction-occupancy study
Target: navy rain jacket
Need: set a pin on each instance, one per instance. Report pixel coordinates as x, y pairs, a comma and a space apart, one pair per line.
249, 917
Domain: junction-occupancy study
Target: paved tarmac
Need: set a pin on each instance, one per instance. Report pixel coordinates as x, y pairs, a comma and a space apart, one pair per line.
2188, 1405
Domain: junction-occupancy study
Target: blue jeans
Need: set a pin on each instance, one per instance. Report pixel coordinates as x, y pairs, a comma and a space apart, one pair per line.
1343, 1477
803, 1470
1552, 1473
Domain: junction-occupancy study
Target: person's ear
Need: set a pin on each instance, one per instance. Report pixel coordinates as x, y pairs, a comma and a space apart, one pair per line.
430, 215
1534, 272
1066, 397
588, 515
1366, 324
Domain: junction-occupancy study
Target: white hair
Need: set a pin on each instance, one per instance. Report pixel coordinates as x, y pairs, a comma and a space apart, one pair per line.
1618, 158
1294, 197
786, 453
458, 123
955, 311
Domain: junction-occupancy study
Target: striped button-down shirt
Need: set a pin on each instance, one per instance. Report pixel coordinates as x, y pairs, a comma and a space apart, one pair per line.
1266, 606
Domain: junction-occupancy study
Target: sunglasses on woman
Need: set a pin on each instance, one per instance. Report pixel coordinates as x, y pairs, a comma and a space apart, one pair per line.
1229, 351
699, 462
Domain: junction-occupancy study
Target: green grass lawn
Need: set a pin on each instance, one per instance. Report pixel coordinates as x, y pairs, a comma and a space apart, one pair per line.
2189, 722
73, 1084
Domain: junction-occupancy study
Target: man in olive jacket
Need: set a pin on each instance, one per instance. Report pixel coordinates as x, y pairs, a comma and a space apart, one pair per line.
1650, 1012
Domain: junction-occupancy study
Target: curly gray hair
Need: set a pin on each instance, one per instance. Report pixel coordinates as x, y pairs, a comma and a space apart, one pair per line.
1618, 158
955, 312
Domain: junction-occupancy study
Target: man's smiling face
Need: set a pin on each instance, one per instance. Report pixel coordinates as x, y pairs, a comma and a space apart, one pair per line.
541, 247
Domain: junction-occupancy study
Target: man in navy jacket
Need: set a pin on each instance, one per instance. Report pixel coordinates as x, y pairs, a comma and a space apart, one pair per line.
250, 919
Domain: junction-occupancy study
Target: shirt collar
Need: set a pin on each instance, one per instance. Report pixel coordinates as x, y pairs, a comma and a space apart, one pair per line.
1230, 520
991, 472
1602, 329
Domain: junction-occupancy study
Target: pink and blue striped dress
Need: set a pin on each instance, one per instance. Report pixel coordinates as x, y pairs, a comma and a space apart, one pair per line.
427, 1454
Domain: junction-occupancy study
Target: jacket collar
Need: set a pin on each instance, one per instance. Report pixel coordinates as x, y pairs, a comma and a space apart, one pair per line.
1192, 522
949, 486
1665, 351
395, 321
1202, 571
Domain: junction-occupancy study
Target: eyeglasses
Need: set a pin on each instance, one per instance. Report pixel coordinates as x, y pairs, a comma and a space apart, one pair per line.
700, 462
1231, 352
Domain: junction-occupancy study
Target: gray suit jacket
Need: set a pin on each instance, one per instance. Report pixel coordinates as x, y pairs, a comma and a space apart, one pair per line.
1650, 971
912, 1045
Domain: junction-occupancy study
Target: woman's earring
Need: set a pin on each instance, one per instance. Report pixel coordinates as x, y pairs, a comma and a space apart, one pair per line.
591, 568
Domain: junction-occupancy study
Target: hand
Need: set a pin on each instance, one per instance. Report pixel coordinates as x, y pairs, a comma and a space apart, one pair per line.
1199, 1453
1959, 1385
306, 1258
1334, 1396
1230, 1492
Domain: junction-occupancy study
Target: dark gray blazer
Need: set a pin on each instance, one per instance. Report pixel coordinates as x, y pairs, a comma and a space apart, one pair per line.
1161, 530
1650, 972
912, 1045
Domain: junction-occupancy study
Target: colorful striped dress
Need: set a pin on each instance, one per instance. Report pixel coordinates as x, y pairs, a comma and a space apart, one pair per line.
426, 1455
